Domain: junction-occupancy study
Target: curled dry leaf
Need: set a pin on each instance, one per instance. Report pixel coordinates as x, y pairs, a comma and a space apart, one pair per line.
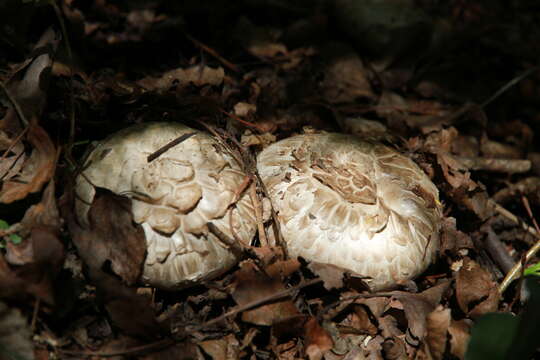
459, 337
251, 286
317, 340
23, 174
197, 75
476, 292
355, 204
114, 244
35, 171
331, 275
417, 307
224, 348
438, 322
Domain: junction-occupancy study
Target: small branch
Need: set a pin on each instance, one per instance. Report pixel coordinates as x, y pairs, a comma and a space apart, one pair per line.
152, 347
214, 53
508, 85
257, 206
259, 302
517, 270
508, 166
236, 247
168, 146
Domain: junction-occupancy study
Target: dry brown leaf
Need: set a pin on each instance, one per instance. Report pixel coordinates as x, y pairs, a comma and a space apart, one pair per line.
345, 78
36, 170
394, 349
196, 75
114, 244
360, 320
225, 348
29, 83
417, 307
112, 238
438, 322
331, 275
476, 292
453, 240
317, 340
250, 285
459, 337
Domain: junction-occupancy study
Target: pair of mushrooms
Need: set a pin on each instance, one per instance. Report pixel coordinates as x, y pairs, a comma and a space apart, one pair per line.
340, 200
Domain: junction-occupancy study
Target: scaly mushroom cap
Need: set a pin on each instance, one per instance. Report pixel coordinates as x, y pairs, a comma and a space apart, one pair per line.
354, 204
173, 198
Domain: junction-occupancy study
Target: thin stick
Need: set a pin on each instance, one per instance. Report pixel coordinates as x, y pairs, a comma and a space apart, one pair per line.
517, 270
155, 346
508, 85
257, 205
241, 121
229, 65
507, 214
35, 314
168, 146
259, 302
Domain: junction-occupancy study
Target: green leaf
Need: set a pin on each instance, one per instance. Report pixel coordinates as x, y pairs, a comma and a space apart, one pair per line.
533, 270
14, 238
491, 337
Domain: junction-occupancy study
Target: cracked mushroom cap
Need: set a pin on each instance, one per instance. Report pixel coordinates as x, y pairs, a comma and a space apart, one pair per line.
173, 198
354, 204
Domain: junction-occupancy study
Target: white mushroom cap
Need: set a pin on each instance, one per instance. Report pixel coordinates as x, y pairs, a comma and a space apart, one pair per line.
354, 204
173, 198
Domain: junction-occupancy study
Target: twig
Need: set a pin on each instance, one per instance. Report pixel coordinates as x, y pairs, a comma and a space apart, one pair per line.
229, 65
507, 214
259, 302
508, 85
236, 247
241, 121
168, 146
508, 166
155, 346
35, 314
517, 270
257, 205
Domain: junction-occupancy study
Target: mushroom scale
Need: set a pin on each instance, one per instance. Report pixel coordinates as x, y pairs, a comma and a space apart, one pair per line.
173, 198
355, 204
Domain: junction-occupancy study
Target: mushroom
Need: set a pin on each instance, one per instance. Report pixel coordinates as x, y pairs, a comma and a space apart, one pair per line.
174, 197
354, 204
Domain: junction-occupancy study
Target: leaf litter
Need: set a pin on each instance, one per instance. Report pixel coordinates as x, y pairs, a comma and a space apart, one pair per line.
256, 79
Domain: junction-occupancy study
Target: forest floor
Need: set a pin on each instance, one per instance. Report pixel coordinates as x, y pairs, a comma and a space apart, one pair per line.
456, 87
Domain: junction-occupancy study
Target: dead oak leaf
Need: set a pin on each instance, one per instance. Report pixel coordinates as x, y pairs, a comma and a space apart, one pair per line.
250, 285
459, 337
438, 322
476, 292
114, 243
38, 168
417, 307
